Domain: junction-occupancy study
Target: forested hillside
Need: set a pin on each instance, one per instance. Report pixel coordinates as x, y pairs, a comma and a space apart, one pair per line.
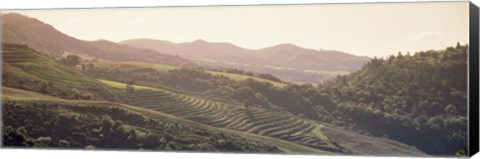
418, 99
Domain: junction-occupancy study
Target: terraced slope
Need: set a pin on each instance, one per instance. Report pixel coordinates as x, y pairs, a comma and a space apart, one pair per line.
39, 65
251, 120
182, 134
263, 122
25, 68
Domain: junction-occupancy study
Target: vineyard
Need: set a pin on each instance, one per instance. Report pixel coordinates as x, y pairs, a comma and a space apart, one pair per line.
31, 79
230, 116
107, 125
38, 65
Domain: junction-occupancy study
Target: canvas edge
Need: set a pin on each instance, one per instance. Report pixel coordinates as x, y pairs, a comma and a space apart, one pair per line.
473, 111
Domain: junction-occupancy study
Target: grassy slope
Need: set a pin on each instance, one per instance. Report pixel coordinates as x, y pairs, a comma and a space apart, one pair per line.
12, 94
28, 69
136, 65
45, 68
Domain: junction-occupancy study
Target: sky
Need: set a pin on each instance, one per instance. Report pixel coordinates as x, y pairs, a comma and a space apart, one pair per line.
375, 29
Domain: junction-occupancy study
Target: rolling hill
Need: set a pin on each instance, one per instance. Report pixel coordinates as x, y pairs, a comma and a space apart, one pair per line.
20, 29
25, 68
139, 66
264, 122
288, 62
75, 124
154, 118
418, 99
146, 94
35, 83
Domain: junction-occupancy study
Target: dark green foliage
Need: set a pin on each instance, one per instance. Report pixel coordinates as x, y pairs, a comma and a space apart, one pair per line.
72, 126
420, 100
269, 77
17, 137
152, 141
71, 60
461, 153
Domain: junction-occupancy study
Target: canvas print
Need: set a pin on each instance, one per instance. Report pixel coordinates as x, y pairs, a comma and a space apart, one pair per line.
383, 79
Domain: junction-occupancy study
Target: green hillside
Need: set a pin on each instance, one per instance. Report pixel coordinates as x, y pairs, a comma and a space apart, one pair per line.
253, 120
62, 92
224, 115
236, 85
418, 99
134, 66
81, 123
107, 125
27, 69
165, 108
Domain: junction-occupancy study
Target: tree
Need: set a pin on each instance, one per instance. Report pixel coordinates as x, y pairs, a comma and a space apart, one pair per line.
450, 108
132, 138
90, 66
71, 60
152, 141
269, 77
458, 45
63, 143
15, 137
461, 153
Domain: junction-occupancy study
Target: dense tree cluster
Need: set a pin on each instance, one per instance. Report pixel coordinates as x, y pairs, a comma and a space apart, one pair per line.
71, 60
417, 99
73, 126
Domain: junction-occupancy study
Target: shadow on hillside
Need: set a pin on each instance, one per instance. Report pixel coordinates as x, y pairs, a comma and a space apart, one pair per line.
249, 113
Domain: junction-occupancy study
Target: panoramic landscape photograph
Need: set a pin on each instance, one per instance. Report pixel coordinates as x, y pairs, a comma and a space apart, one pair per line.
375, 79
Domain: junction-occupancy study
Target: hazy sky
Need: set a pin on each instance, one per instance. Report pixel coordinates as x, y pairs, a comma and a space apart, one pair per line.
361, 29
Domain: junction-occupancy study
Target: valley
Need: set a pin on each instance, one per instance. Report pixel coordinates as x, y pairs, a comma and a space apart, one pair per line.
153, 95
289, 133
288, 62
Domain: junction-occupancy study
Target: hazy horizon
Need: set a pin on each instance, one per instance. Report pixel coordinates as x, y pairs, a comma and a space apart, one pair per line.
375, 29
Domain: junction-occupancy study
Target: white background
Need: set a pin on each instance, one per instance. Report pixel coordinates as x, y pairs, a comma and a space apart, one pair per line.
78, 154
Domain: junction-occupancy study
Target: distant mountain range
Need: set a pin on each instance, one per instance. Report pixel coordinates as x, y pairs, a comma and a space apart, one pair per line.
20, 29
286, 61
